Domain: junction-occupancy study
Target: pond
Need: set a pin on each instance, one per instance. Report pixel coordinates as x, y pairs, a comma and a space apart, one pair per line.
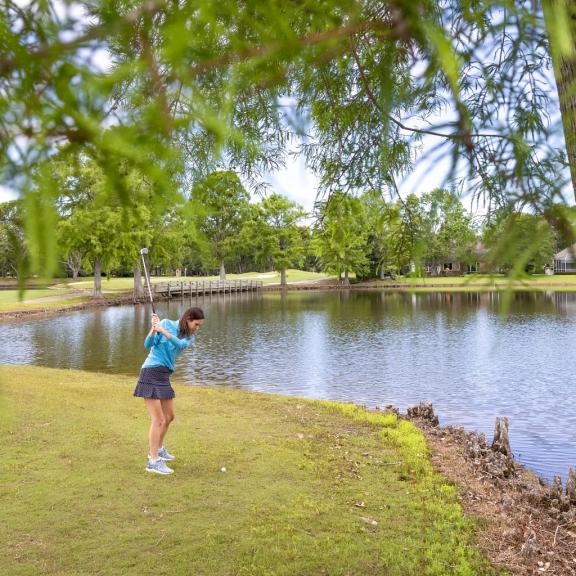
474, 355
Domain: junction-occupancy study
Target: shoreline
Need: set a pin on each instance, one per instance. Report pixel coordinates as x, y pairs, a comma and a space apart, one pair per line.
439, 287
526, 525
24, 314
124, 298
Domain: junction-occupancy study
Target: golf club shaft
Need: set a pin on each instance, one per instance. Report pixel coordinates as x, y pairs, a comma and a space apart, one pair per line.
148, 283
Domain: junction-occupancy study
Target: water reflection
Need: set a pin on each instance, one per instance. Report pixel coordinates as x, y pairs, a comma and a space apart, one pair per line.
458, 350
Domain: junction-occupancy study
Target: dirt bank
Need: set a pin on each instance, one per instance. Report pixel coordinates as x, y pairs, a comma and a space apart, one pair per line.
25, 314
526, 526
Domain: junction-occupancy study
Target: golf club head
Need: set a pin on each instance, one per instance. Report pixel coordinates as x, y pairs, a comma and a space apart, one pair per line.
144, 251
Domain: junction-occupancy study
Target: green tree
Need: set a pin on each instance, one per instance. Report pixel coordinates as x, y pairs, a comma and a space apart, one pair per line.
519, 242
394, 233
249, 248
560, 18
94, 230
195, 85
341, 238
281, 237
84, 190
448, 228
218, 203
92, 224
411, 233
13, 252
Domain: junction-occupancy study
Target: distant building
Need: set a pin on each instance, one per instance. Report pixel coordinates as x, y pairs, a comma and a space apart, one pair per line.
565, 261
450, 265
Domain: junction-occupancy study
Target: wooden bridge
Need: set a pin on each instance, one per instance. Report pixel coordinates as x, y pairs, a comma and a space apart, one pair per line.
204, 287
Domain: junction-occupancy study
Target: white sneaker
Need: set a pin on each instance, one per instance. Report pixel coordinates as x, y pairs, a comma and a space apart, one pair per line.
158, 467
165, 455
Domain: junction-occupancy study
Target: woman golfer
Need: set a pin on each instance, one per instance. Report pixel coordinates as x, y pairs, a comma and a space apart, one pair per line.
167, 338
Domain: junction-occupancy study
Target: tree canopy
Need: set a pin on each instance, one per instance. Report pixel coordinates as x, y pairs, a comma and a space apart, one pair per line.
196, 86
218, 204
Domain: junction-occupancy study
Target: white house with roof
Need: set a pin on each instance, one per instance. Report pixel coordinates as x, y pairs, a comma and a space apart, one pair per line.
565, 261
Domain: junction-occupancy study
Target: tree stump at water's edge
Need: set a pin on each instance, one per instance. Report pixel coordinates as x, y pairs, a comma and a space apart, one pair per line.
571, 485
501, 442
424, 411
502, 462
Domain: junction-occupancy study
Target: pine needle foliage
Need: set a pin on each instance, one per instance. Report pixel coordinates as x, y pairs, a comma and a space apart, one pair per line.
191, 86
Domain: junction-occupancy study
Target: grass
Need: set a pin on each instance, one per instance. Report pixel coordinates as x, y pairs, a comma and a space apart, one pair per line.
475, 282
310, 488
440, 280
13, 296
122, 284
12, 300
40, 283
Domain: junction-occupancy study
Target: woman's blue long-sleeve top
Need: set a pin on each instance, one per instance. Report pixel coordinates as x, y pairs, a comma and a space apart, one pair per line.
164, 351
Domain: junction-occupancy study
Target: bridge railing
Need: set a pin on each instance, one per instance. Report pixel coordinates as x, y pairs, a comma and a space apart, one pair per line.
197, 287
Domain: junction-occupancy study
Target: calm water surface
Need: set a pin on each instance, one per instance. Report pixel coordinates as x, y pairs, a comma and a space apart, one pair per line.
457, 350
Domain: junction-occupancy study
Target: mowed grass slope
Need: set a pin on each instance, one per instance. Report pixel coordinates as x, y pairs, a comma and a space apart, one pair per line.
562, 282
309, 488
13, 300
124, 284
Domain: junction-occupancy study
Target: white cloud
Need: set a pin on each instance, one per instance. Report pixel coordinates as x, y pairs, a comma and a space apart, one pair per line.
7, 194
296, 182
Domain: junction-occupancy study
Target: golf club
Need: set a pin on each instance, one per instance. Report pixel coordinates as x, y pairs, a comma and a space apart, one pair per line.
142, 253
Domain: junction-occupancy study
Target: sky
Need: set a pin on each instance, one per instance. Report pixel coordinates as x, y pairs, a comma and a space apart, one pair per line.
295, 182
300, 184
7, 194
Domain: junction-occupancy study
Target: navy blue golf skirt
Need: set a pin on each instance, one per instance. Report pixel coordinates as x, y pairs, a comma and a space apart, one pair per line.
154, 383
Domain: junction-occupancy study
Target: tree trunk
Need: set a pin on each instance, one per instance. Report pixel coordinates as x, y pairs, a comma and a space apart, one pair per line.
74, 263
501, 442
571, 485
97, 279
565, 74
222, 271
283, 281
346, 279
138, 288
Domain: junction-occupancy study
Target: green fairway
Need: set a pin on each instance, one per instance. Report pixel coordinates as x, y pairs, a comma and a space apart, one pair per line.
14, 296
13, 300
480, 282
263, 485
121, 284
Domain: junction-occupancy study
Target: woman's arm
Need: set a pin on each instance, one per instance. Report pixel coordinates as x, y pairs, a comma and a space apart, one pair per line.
151, 339
180, 343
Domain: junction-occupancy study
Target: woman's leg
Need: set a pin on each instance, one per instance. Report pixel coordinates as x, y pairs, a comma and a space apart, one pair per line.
168, 411
157, 426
